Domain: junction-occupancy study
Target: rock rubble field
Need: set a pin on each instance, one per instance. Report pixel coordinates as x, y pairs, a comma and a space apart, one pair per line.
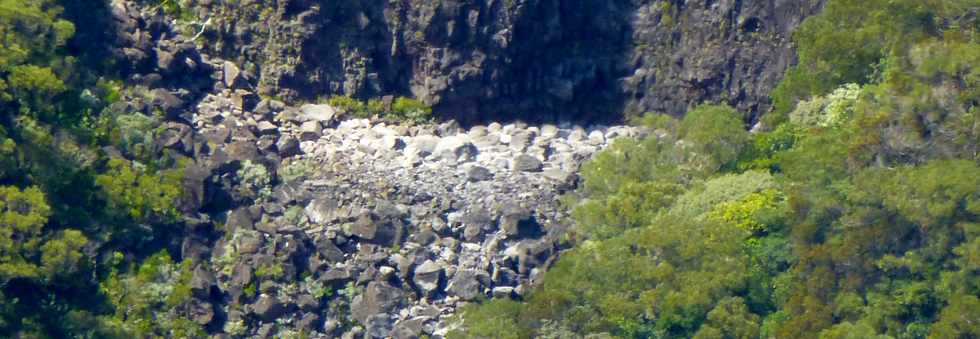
398, 224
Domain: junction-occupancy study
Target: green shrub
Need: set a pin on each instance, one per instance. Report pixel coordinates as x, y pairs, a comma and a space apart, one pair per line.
141, 195
297, 170
255, 179
144, 300
828, 111
269, 271
402, 109
407, 109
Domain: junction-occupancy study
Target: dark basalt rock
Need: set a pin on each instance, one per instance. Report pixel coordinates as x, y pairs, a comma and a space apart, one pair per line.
487, 60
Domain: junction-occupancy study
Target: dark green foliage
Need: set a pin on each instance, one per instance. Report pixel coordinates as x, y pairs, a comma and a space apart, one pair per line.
64, 205
858, 218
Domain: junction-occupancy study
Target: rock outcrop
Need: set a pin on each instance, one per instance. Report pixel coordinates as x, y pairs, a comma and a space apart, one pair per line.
496, 60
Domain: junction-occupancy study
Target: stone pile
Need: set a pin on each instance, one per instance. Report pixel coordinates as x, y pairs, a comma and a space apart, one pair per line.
402, 223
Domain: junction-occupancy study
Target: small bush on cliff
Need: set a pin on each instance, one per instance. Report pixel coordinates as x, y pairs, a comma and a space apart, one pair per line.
402, 109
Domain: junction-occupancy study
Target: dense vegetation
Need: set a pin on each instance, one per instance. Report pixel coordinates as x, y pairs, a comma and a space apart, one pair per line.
854, 214
85, 196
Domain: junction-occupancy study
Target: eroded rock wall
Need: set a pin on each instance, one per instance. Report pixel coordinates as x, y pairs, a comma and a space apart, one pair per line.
536, 60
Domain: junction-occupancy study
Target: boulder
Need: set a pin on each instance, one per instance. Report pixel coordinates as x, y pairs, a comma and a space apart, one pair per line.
425, 144
468, 284
201, 283
455, 148
266, 128
379, 326
503, 292
517, 222
478, 173
240, 218
310, 130
329, 251
168, 103
377, 228
378, 298
288, 146
268, 308
409, 329
309, 322
597, 138
232, 74
320, 113
243, 150
365, 227
527, 163
427, 276
322, 211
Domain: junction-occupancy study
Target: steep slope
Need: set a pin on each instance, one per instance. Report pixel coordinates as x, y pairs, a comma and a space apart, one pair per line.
499, 60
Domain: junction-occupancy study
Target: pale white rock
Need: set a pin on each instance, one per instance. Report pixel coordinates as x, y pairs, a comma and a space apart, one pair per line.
426, 144
477, 131
318, 112
494, 127
549, 131
457, 148
577, 134
310, 130
597, 138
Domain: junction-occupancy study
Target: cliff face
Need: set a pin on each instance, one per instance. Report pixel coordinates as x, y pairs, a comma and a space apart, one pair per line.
587, 60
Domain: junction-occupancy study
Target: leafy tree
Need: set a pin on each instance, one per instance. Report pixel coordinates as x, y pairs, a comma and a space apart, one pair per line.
854, 215
143, 196
23, 214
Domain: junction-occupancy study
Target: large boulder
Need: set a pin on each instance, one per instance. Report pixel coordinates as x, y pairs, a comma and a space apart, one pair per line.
427, 276
167, 102
527, 163
478, 173
378, 298
310, 130
377, 228
379, 326
468, 284
329, 251
268, 308
517, 222
455, 148
425, 144
320, 113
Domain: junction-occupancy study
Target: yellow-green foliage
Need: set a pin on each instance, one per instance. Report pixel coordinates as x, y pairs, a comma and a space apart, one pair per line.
633, 206
30, 34
61, 255
408, 109
25, 252
749, 212
296, 170
269, 271
23, 214
402, 109
827, 111
142, 195
857, 217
